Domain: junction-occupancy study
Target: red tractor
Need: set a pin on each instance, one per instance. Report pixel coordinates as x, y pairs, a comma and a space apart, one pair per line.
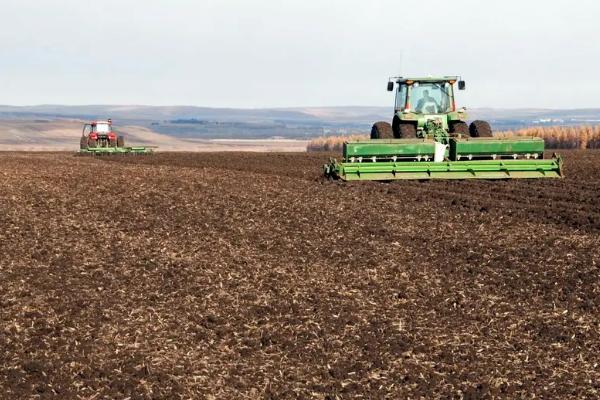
100, 134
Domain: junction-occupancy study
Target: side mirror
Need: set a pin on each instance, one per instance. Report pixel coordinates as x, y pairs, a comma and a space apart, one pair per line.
461, 85
390, 86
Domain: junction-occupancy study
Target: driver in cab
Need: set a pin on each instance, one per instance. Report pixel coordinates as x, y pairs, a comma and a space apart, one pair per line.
427, 104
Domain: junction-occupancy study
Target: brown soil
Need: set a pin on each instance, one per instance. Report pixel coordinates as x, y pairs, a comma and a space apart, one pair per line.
235, 275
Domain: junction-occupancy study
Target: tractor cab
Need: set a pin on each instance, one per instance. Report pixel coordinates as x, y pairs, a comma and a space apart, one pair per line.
102, 127
425, 95
98, 128
100, 134
426, 107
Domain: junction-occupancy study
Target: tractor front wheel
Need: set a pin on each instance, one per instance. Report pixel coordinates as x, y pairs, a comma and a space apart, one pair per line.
480, 129
459, 128
382, 130
407, 130
120, 141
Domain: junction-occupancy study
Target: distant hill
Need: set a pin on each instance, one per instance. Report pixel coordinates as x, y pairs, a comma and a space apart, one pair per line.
153, 113
64, 135
190, 122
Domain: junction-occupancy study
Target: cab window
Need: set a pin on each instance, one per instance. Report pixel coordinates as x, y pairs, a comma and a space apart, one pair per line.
401, 97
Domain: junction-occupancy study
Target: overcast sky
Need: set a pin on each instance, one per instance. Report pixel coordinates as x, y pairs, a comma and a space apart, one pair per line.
279, 53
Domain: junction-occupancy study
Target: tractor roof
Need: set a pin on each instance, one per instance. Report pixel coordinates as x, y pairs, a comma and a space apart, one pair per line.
401, 79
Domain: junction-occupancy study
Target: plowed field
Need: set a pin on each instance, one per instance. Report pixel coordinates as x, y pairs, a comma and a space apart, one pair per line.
238, 275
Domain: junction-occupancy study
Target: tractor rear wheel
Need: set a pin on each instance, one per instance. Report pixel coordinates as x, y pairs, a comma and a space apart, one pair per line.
92, 144
382, 130
459, 128
480, 129
83, 143
407, 130
120, 141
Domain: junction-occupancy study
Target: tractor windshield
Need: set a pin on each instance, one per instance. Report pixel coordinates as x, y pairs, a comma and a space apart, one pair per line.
102, 128
431, 97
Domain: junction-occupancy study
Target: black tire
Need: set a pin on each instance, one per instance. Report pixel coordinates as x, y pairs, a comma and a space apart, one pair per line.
459, 128
112, 143
382, 130
480, 129
83, 143
92, 144
407, 130
120, 141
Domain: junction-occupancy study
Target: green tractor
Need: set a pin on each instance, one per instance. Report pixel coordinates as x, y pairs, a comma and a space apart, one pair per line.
429, 138
426, 107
